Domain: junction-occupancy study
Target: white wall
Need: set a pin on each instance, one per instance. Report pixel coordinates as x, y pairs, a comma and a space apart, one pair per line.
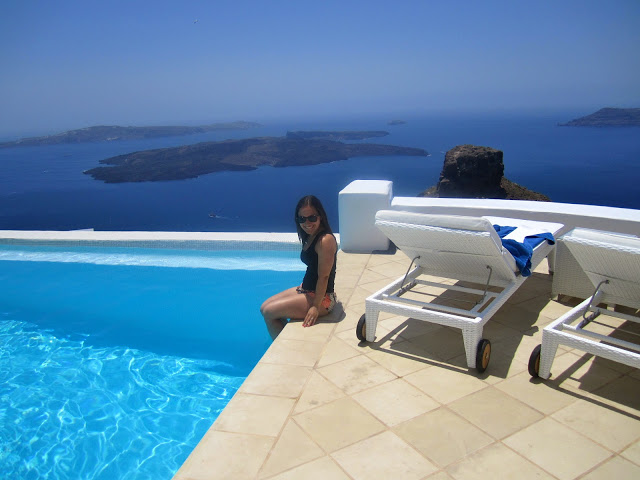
361, 199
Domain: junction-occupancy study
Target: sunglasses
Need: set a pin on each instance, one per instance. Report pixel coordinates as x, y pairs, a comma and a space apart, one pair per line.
311, 218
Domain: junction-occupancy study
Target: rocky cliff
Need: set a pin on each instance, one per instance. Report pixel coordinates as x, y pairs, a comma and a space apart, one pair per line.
471, 171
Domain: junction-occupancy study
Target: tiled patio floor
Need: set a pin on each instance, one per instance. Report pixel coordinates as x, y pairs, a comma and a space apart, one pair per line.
320, 405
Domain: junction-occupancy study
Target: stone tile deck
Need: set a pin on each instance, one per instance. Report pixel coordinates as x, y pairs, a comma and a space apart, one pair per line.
319, 405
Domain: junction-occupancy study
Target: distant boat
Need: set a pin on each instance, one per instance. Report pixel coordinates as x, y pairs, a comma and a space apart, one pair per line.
212, 215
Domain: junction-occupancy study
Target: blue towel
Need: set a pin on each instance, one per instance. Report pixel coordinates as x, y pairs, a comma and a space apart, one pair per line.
522, 252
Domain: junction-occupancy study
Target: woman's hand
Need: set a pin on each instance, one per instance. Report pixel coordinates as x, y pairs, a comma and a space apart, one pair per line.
312, 317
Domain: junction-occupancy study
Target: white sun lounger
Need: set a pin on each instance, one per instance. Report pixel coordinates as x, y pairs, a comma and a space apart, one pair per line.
454, 248
611, 262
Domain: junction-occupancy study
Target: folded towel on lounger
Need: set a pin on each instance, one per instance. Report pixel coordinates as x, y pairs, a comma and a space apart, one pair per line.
522, 251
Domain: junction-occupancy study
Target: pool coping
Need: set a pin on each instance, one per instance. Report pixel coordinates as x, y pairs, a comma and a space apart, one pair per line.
110, 236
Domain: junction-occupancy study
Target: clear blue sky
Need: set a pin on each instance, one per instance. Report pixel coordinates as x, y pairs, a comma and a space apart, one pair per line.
69, 64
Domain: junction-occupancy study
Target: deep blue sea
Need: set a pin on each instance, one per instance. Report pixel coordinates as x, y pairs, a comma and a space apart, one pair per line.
44, 187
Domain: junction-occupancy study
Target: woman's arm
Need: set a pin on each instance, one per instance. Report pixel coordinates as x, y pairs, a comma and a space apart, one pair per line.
326, 249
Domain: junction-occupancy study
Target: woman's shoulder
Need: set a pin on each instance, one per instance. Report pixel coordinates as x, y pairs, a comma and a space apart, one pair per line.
327, 240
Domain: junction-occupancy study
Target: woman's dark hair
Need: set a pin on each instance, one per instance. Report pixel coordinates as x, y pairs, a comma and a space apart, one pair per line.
311, 201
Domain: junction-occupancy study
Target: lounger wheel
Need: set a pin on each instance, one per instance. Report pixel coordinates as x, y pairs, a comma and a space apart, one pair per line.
534, 362
484, 355
361, 329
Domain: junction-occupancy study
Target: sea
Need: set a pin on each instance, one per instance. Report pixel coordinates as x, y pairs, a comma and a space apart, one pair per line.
44, 188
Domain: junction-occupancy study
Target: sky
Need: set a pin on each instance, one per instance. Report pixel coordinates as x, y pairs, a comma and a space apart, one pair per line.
69, 64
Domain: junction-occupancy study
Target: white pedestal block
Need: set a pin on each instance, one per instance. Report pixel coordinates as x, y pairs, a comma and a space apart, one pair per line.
358, 203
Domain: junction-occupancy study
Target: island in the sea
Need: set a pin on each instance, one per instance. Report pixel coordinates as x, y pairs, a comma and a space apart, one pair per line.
396, 122
608, 117
190, 161
112, 133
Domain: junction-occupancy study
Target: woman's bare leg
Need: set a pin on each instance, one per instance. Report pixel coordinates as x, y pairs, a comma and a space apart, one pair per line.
287, 304
278, 296
274, 318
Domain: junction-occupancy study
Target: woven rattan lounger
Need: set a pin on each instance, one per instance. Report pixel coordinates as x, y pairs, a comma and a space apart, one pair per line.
447, 249
611, 262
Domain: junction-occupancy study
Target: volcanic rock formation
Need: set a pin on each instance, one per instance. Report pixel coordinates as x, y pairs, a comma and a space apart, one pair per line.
471, 171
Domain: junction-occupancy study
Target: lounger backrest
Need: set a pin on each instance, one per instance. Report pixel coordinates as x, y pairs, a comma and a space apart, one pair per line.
448, 245
612, 256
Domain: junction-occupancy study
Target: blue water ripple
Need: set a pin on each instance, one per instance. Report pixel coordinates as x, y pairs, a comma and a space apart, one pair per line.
70, 410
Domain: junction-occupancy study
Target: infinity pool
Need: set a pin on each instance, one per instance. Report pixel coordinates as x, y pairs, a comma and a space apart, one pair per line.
115, 361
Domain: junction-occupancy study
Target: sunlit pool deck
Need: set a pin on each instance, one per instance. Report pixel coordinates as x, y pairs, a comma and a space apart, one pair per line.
321, 405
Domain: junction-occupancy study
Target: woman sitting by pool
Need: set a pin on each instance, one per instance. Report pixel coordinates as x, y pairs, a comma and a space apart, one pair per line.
315, 297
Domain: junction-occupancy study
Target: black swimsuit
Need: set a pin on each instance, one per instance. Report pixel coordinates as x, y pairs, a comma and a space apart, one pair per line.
310, 258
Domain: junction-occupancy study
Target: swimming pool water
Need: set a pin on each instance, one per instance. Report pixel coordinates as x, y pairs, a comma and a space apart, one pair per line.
114, 367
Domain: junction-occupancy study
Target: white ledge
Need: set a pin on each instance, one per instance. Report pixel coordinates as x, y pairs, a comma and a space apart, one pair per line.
622, 220
91, 235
